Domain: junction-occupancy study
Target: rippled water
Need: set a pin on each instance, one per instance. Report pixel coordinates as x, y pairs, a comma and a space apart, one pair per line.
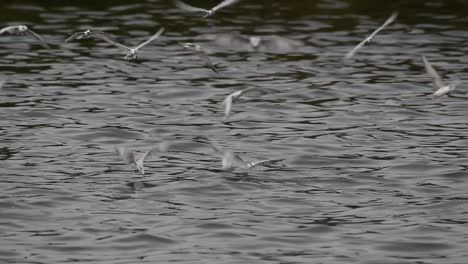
374, 168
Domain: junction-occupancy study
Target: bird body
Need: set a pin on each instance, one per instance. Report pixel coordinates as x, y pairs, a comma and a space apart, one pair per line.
439, 86
130, 157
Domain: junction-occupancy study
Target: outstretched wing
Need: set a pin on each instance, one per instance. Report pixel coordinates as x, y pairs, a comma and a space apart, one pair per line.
7, 29
224, 3
127, 156
385, 24
206, 60
262, 162
155, 36
435, 78
39, 38
355, 49
73, 36
189, 8
107, 39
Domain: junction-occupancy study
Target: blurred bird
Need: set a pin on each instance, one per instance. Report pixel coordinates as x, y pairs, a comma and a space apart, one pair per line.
210, 12
233, 97
132, 52
87, 34
21, 30
371, 36
273, 43
201, 54
439, 86
230, 160
129, 157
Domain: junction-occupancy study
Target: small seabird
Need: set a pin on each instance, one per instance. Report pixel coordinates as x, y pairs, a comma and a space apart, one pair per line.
132, 52
129, 157
233, 97
22, 29
256, 43
210, 12
86, 35
201, 54
371, 36
231, 160
440, 87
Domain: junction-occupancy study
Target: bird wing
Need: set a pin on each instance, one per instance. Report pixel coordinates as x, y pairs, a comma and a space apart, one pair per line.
107, 39
73, 36
355, 49
228, 101
127, 156
435, 78
223, 4
262, 162
232, 41
385, 24
155, 36
190, 8
7, 29
41, 40
206, 60
280, 44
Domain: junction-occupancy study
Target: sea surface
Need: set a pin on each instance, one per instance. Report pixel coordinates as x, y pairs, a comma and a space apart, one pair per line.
372, 170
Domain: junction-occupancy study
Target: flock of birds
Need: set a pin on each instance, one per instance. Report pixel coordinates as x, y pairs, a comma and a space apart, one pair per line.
230, 160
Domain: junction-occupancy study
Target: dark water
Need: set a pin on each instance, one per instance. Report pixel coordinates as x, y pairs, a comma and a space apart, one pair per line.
374, 169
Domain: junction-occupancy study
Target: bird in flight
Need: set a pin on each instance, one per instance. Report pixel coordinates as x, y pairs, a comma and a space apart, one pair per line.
439, 86
231, 160
132, 52
22, 29
371, 36
86, 35
202, 55
130, 157
275, 44
209, 12
233, 97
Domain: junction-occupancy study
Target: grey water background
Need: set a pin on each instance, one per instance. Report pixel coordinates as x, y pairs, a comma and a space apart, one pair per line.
374, 168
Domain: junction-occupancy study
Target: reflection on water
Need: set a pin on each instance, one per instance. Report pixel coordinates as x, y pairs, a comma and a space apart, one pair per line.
373, 167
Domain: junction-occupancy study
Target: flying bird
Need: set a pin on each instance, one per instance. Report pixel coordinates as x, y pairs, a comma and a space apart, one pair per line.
209, 12
202, 55
233, 97
439, 86
21, 30
132, 52
86, 35
231, 160
272, 43
371, 36
130, 157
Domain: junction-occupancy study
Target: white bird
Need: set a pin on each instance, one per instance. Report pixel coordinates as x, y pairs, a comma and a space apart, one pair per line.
130, 157
22, 29
371, 36
132, 52
256, 43
201, 54
233, 97
230, 160
439, 86
86, 35
210, 12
